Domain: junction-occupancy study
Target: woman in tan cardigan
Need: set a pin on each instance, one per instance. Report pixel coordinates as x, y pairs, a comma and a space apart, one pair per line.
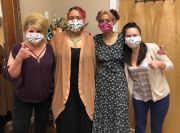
73, 102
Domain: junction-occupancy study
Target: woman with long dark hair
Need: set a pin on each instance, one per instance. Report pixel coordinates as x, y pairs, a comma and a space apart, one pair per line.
145, 69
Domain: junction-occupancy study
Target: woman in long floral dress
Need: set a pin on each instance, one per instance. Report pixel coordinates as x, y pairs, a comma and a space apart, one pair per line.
111, 100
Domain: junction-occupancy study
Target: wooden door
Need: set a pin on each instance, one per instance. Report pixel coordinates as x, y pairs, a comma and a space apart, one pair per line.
160, 23
11, 25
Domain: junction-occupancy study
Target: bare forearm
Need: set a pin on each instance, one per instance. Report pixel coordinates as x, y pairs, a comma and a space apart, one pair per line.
15, 68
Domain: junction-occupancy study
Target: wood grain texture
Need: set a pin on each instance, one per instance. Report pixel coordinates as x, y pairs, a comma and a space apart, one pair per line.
160, 23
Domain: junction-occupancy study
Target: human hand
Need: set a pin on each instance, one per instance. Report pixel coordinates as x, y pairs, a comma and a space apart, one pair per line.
154, 64
23, 53
161, 50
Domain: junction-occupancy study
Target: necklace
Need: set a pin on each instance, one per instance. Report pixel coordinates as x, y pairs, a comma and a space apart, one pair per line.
37, 56
75, 40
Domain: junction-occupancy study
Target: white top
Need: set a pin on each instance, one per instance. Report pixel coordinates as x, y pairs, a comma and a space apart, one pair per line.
157, 80
141, 85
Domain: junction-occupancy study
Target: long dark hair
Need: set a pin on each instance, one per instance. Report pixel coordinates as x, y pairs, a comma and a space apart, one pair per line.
127, 51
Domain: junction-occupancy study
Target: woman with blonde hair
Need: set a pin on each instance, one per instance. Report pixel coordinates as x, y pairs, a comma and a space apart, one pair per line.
30, 69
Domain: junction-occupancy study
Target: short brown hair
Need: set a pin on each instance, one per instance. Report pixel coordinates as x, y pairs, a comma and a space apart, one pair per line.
113, 13
37, 21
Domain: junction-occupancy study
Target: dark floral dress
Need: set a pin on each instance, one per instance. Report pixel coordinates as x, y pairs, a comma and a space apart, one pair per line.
111, 100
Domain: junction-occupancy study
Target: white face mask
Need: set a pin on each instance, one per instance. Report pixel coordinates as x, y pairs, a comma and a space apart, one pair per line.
34, 38
133, 42
75, 25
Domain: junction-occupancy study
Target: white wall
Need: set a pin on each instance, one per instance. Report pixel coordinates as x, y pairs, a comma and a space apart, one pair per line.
29, 6
60, 8
90, 6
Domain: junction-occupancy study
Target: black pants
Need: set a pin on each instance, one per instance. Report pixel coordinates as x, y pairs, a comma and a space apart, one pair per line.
1, 126
4, 119
23, 112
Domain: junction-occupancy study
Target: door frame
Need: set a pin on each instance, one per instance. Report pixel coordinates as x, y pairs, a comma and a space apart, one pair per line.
11, 23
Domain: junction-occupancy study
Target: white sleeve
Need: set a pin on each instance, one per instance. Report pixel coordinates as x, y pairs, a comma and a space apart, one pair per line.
168, 66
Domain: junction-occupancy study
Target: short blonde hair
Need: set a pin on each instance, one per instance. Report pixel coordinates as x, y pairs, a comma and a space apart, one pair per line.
37, 21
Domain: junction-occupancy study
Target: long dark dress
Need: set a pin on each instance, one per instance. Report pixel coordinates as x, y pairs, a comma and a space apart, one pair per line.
74, 118
111, 100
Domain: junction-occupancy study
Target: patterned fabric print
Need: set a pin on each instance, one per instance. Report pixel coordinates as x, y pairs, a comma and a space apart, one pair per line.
111, 101
75, 25
133, 42
34, 38
141, 85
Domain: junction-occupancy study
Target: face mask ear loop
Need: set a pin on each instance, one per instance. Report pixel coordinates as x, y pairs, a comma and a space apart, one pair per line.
115, 21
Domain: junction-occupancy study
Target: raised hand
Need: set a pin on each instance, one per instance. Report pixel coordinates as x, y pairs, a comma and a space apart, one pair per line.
23, 53
154, 64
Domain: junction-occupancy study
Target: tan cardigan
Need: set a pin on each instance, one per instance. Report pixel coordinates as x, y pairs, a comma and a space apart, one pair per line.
86, 81
157, 79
